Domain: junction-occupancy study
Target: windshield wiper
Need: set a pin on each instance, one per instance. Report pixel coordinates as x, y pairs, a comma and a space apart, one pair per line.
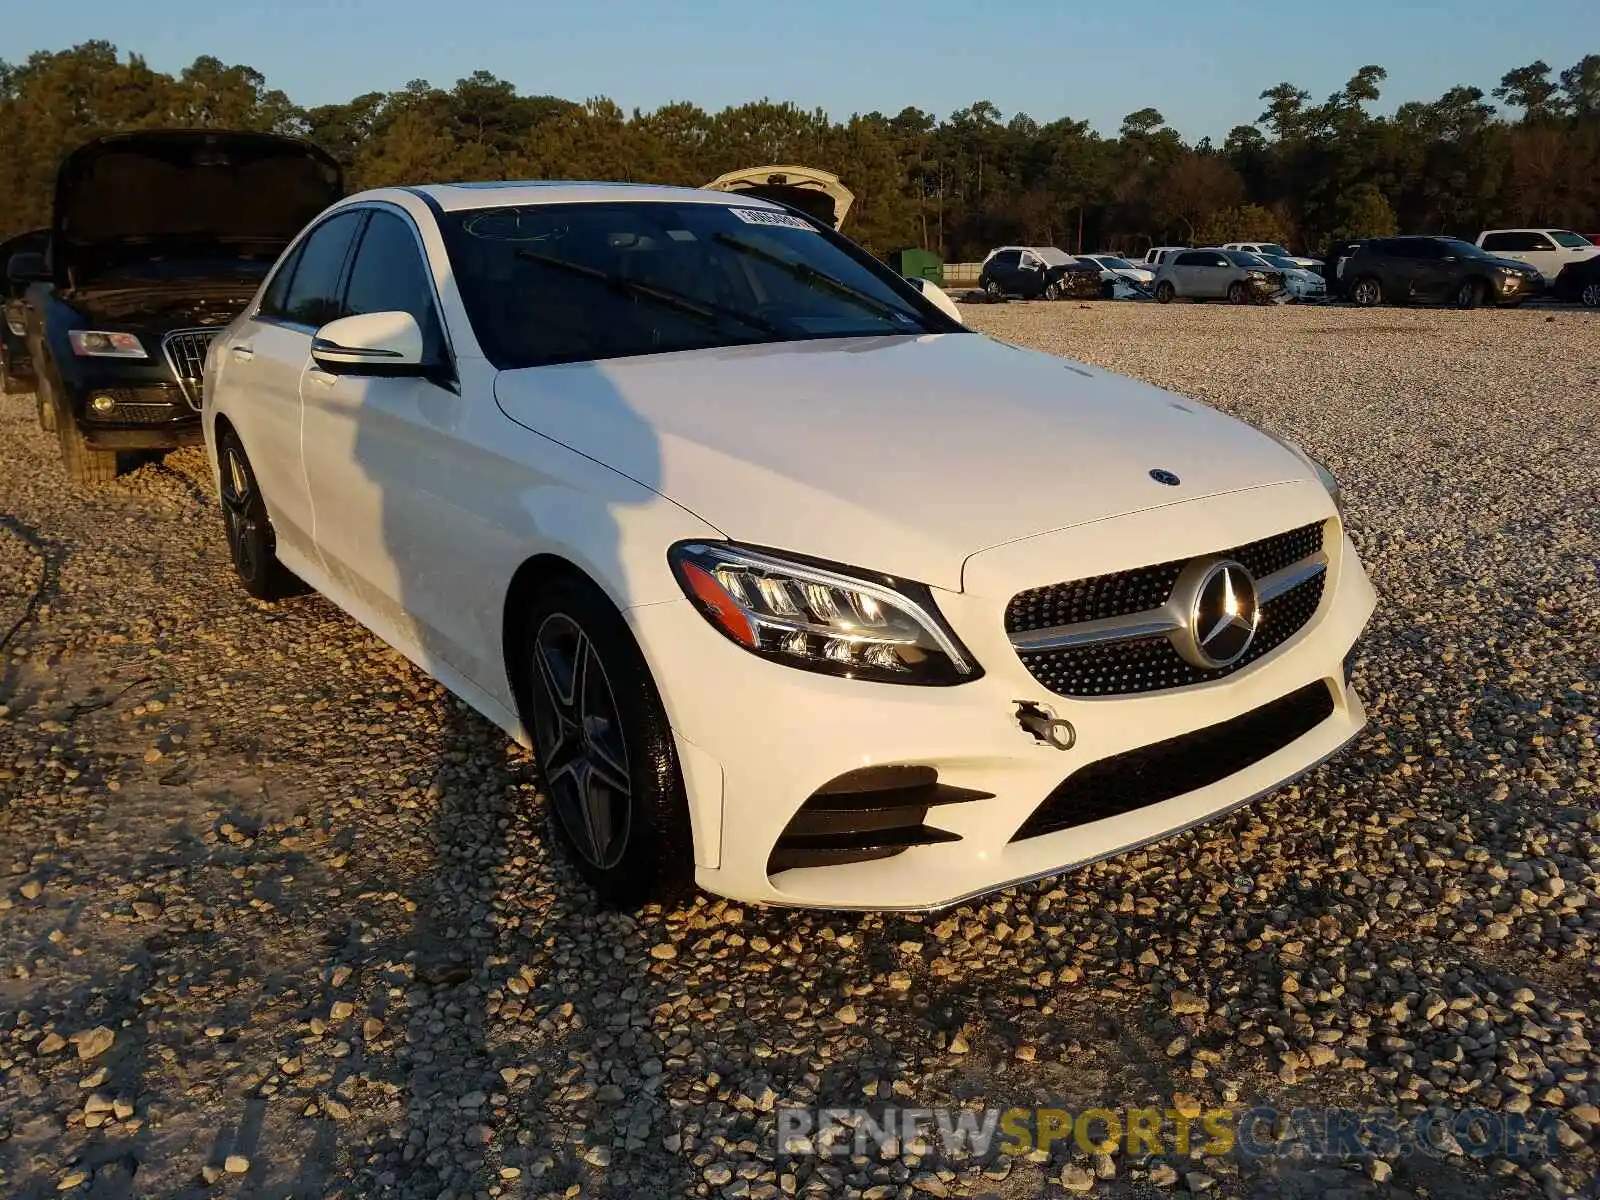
704, 309
815, 279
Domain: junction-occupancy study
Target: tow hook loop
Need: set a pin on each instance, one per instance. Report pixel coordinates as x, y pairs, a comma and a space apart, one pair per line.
1045, 726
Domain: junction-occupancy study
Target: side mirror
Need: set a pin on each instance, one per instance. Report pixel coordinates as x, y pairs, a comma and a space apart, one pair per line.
28, 268
380, 343
936, 296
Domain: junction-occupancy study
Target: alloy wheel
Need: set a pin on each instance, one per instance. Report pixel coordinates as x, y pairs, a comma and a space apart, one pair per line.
1365, 292
1591, 295
238, 495
578, 735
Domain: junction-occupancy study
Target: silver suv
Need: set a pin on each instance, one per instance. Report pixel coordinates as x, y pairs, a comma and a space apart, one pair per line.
1216, 274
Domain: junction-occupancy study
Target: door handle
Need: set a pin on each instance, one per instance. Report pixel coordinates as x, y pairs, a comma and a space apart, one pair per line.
243, 353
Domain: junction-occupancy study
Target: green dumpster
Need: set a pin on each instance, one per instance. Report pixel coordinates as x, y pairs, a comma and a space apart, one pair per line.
918, 264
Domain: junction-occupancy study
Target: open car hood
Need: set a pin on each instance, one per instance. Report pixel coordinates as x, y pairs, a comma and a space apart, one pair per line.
172, 195
816, 192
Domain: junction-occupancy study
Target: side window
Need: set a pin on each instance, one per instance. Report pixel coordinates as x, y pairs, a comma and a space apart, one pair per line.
313, 297
390, 275
1537, 241
1430, 250
1007, 260
1188, 260
1218, 260
1500, 241
272, 300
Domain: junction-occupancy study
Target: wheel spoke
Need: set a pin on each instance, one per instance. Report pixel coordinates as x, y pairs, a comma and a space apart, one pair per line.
597, 817
552, 686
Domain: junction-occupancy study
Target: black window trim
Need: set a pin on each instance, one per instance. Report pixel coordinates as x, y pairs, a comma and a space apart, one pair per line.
448, 367
294, 248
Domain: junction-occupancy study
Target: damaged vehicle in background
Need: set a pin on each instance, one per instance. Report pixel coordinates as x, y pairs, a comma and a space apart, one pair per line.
1305, 285
815, 192
1218, 274
158, 239
1436, 270
1039, 273
23, 259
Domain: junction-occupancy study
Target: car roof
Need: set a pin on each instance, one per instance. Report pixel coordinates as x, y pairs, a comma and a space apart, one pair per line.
454, 197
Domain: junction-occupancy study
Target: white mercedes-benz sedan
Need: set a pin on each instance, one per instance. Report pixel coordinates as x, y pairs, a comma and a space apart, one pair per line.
797, 589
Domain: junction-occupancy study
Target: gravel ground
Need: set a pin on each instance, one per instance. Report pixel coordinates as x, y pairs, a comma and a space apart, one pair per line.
276, 918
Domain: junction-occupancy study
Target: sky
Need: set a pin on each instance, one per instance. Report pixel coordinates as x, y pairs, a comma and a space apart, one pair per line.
1202, 63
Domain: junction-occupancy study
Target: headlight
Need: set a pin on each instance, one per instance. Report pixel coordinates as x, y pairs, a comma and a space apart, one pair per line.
94, 343
1324, 475
821, 618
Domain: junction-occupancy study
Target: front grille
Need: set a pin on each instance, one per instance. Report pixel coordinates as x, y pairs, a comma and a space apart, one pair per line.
1151, 663
186, 355
867, 814
1151, 774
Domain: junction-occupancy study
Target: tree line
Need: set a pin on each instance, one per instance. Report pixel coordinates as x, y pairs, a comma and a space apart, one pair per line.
1304, 173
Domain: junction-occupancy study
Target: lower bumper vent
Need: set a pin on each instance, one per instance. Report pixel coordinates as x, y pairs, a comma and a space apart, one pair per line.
872, 813
1186, 763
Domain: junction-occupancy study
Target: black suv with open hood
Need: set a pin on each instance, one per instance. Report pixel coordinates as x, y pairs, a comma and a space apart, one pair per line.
158, 239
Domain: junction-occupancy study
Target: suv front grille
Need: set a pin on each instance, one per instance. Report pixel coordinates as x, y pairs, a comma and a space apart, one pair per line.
1151, 774
1147, 660
185, 350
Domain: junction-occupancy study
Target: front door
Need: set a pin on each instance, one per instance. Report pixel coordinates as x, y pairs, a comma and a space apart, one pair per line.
376, 451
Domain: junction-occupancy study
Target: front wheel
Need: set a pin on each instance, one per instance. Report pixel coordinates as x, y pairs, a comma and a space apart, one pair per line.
600, 734
44, 403
1471, 293
1236, 293
1367, 292
1590, 295
993, 290
1052, 291
1165, 292
252, 544
84, 465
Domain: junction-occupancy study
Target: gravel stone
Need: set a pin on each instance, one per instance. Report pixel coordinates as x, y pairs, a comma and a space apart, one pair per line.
319, 824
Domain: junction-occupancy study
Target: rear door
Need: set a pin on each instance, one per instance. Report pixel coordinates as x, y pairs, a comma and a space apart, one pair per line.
1004, 269
260, 366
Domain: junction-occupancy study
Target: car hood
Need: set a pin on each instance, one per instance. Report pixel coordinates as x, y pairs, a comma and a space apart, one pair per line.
904, 455
1515, 263
163, 196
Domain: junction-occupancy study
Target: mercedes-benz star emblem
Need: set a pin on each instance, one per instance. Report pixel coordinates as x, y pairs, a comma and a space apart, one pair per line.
1166, 477
1218, 598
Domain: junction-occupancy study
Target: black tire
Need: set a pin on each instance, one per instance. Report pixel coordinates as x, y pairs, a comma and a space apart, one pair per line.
1590, 296
10, 385
993, 290
252, 544
1236, 293
1052, 291
44, 403
1366, 292
84, 465
593, 713
1165, 292
1471, 293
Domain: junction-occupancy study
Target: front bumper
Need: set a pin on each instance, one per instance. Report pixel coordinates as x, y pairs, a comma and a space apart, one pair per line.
146, 413
756, 740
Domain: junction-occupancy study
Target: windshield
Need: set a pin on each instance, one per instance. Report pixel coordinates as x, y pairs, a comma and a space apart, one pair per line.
1272, 248
1464, 249
1571, 240
1243, 258
1282, 263
1115, 263
575, 282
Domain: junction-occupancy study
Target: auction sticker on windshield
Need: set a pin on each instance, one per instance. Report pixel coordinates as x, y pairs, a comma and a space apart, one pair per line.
764, 216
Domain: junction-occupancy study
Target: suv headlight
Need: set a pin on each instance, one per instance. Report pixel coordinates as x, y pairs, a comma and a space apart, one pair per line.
820, 617
96, 343
1325, 476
